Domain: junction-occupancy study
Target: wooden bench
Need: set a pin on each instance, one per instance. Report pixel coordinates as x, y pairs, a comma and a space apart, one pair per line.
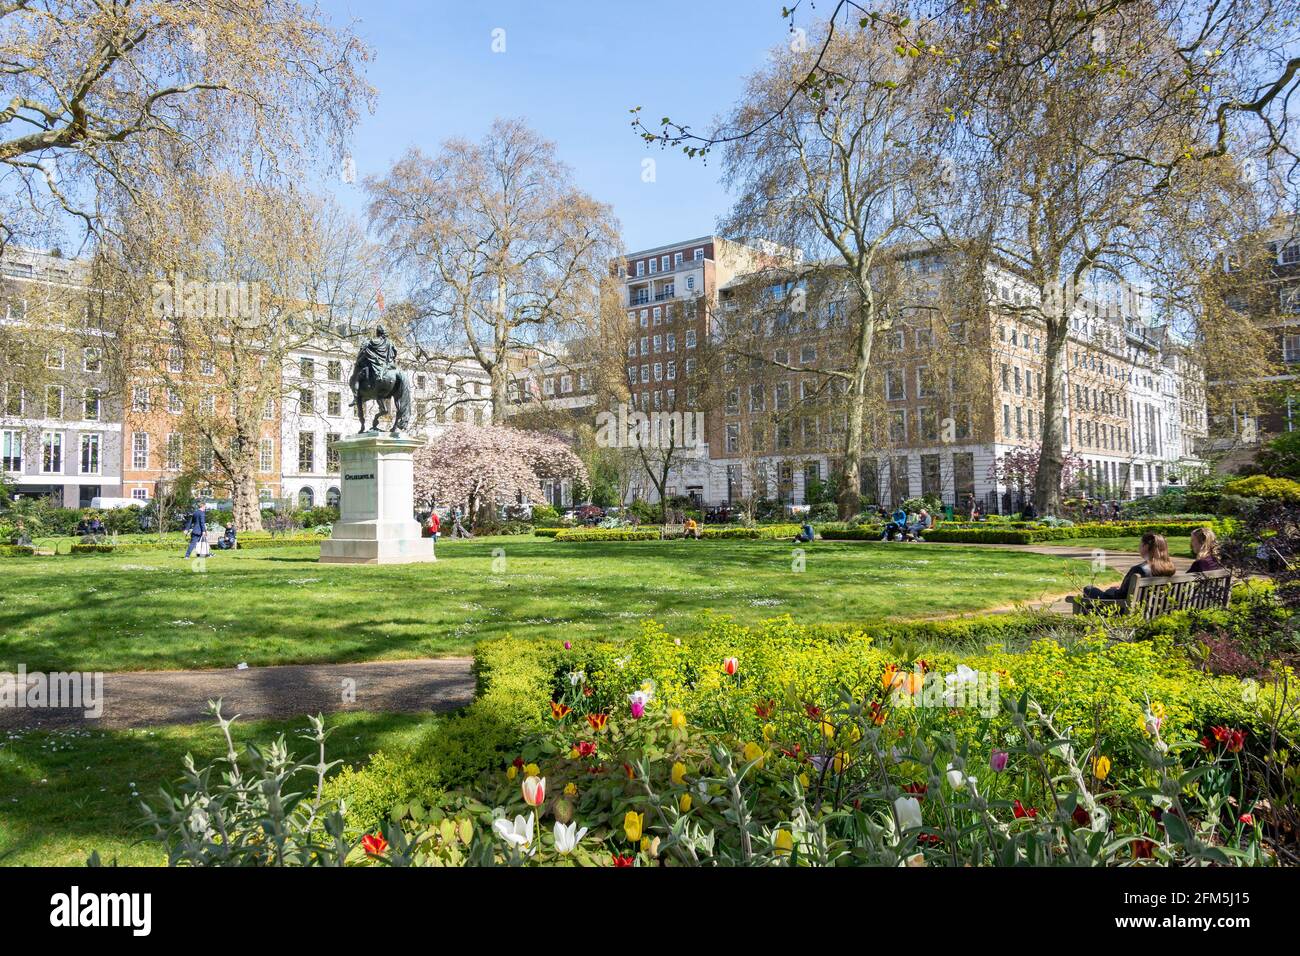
1152, 597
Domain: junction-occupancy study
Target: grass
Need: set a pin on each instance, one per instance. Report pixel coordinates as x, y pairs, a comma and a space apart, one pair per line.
1178, 546
152, 611
66, 793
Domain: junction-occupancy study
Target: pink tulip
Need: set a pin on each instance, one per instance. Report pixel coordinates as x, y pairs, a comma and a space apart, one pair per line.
534, 790
568, 645
998, 760
637, 704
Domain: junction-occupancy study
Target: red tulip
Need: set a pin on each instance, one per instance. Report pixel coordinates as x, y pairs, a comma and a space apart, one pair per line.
374, 844
585, 748
559, 711
624, 860
598, 721
1019, 810
765, 709
730, 665
1247, 818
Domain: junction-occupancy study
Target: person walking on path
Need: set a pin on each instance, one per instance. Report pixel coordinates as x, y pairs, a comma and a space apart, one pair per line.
197, 526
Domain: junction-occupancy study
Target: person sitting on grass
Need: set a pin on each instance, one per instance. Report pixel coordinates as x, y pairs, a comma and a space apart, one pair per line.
806, 533
691, 529
1155, 563
1203, 548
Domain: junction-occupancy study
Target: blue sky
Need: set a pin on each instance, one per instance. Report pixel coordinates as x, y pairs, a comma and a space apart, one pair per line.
572, 70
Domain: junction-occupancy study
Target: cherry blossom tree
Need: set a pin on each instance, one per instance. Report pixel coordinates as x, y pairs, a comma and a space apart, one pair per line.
483, 466
1018, 468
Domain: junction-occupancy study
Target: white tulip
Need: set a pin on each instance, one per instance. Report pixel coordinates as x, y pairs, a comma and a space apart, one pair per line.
568, 837
519, 833
908, 810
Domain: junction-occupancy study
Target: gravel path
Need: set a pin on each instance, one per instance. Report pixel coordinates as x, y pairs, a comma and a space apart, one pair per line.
148, 698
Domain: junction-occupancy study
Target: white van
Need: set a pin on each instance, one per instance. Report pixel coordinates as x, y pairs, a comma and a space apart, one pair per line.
109, 504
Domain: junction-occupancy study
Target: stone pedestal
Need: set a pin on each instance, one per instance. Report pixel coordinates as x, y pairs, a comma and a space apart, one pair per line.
377, 505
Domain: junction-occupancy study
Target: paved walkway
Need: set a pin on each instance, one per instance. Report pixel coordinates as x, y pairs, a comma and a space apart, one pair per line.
149, 698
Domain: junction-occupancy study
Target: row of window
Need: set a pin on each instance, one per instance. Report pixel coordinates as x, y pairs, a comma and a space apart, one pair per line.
656, 264
15, 403
660, 314
659, 343
89, 445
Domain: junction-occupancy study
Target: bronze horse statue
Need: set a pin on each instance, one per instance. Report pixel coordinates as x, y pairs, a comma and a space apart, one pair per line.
376, 377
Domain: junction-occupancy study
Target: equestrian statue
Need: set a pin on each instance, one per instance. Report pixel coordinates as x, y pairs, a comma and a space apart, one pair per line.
376, 377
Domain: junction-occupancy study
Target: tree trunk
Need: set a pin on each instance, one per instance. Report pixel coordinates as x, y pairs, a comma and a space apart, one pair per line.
1051, 462
849, 503
246, 505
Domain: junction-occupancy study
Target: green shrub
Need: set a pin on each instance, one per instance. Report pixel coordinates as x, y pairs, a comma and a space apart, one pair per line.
1034, 534
546, 532
16, 551
607, 534
1262, 486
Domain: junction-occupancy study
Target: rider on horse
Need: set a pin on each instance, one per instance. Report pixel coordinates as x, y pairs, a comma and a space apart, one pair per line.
375, 376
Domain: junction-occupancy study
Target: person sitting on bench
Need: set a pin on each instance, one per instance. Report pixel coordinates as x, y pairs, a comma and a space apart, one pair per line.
691, 529
228, 542
1203, 545
1155, 563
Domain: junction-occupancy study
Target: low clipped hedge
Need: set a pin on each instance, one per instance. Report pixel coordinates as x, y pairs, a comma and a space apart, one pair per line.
16, 550
1110, 529
246, 543
607, 534
549, 532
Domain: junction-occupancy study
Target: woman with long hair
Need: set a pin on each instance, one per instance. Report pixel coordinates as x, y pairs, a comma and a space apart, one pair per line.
1203, 548
1155, 563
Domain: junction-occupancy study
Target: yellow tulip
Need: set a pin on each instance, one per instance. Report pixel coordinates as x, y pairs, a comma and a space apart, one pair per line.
532, 770
783, 842
511, 772
570, 789
1101, 768
803, 780
632, 825
573, 753
678, 719
841, 761
769, 732
684, 804
754, 752
828, 729
679, 773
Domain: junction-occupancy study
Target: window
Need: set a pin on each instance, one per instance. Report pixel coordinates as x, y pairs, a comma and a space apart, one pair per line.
139, 450
174, 404
90, 407
306, 400
1291, 348
733, 439
924, 383
307, 367
895, 386
54, 401
90, 454
640, 268
306, 451
52, 453
207, 366
566, 384
268, 410
14, 401
898, 425
631, 349
139, 494
808, 354
54, 358
699, 254
92, 360
174, 448
645, 374
658, 313
208, 404
1006, 420
670, 342
140, 399
690, 338
11, 450
781, 397
659, 343
548, 386
334, 371
670, 372
690, 283
332, 452
755, 398
654, 266
175, 360
266, 455
733, 401
334, 403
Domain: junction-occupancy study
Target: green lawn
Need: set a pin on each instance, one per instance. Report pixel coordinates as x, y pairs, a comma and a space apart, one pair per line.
1178, 546
154, 611
66, 793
